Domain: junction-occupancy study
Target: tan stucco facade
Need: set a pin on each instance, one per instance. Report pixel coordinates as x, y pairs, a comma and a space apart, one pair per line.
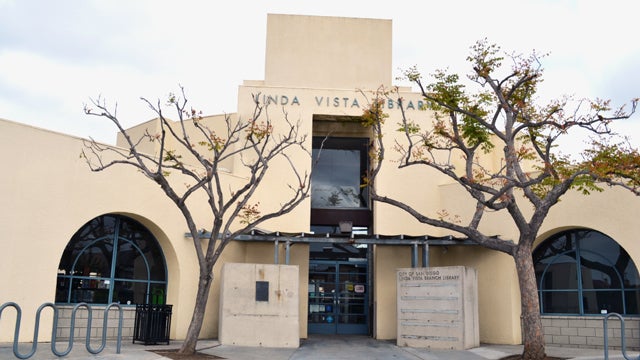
316, 68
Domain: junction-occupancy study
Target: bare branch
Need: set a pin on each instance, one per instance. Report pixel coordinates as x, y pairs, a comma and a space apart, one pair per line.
531, 176
197, 157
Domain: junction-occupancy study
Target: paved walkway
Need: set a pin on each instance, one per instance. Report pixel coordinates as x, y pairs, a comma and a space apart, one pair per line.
314, 348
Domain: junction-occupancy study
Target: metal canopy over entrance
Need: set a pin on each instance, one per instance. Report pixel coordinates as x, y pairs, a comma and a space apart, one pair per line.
291, 238
417, 243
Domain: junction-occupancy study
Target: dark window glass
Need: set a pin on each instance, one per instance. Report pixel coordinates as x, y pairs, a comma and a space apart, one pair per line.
560, 302
598, 272
340, 165
596, 301
62, 289
128, 291
631, 301
93, 260
608, 279
89, 271
336, 179
561, 272
130, 262
153, 254
630, 276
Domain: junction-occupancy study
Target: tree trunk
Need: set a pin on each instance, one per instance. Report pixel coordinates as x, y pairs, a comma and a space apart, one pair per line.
204, 285
533, 336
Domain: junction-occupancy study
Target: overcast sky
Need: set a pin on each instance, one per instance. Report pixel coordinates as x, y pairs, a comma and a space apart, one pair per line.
56, 55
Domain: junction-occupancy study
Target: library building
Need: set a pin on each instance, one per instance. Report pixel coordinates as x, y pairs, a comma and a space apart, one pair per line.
339, 263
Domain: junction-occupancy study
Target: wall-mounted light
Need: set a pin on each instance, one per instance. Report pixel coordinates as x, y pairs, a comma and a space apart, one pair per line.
346, 226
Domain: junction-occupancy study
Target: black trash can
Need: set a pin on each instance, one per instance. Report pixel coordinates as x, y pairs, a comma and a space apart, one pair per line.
152, 324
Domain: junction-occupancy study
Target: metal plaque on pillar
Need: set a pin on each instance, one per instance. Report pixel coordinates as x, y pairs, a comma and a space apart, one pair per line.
438, 307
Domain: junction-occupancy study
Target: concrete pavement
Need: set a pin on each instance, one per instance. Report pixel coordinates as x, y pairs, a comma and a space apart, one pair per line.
315, 348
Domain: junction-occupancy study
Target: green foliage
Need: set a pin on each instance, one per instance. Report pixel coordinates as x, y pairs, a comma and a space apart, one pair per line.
249, 213
484, 56
614, 163
474, 132
502, 116
374, 113
171, 156
446, 93
410, 127
447, 96
172, 99
560, 169
258, 131
215, 142
503, 110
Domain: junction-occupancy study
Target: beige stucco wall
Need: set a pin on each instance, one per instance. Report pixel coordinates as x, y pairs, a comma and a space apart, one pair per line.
264, 253
49, 196
498, 296
387, 259
151, 133
613, 212
49, 193
247, 319
297, 57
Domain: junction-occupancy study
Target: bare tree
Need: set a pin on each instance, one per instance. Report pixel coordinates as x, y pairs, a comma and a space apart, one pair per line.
503, 115
190, 147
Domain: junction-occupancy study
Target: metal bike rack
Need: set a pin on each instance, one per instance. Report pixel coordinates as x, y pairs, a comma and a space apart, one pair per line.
606, 337
54, 329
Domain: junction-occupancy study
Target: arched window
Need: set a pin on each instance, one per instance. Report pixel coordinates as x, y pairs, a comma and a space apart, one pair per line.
585, 272
112, 258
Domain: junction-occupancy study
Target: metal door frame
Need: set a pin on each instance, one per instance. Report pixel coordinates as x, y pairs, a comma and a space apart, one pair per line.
336, 327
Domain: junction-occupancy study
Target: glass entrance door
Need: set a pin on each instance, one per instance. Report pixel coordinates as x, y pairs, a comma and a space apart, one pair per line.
338, 301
